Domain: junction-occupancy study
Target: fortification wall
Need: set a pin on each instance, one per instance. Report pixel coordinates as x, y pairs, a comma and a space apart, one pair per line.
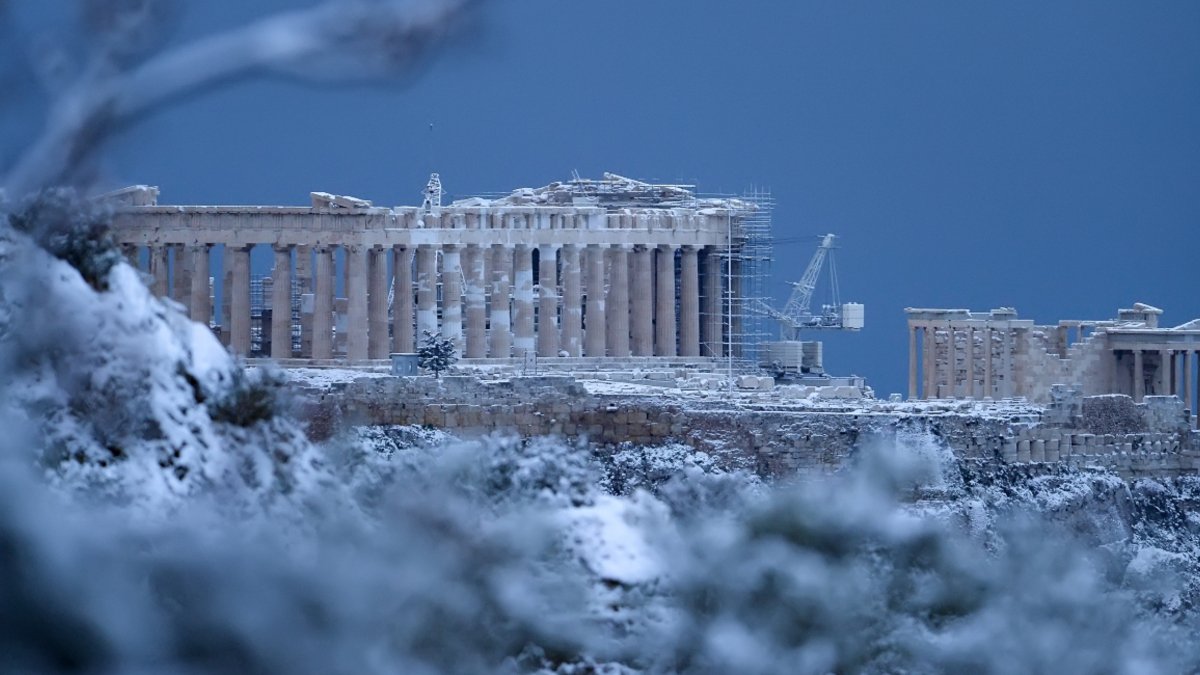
1111, 431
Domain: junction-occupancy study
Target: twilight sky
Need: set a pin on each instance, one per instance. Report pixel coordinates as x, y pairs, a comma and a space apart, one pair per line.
1041, 155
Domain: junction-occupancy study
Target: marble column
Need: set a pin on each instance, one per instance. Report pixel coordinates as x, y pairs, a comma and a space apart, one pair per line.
378, 344
402, 300
664, 302
226, 293
426, 292
689, 302
303, 273
181, 276
597, 328
281, 304
711, 338
523, 340
1189, 385
951, 361
572, 301
617, 332
452, 325
357, 325
239, 301
500, 338
200, 305
641, 302
970, 383
930, 361
476, 309
1139, 377
987, 362
160, 269
1164, 372
322, 335
912, 361
547, 323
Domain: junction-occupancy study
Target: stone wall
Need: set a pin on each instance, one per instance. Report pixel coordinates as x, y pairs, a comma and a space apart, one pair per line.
1111, 431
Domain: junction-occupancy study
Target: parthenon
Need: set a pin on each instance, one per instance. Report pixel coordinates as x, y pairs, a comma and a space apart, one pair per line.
957, 353
597, 268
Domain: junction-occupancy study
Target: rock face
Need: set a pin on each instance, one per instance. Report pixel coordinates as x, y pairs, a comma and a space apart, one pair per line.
1145, 439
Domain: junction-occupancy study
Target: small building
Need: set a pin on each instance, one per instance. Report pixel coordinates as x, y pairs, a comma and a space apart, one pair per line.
958, 353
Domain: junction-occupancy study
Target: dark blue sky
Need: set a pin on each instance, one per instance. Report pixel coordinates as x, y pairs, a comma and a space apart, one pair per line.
1043, 155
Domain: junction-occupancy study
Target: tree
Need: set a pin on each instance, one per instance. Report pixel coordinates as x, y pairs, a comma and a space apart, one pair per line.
436, 353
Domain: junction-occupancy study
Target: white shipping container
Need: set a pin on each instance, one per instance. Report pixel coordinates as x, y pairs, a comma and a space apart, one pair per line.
853, 315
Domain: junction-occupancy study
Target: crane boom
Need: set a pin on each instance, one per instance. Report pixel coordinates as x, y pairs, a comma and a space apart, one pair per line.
798, 305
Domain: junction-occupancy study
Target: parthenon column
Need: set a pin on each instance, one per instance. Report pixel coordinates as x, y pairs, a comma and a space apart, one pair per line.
547, 324
500, 339
572, 308
951, 361
181, 277
912, 361
594, 338
1189, 383
929, 362
617, 333
322, 337
475, 296
452, 327
1139, 377
987, 362
239, 301
426, 291
356, 303
159, 269
664, 305
402, 300
523, 300
378, 345
1164, 372
711, 337
200, 307
641, 303
226, 293
281, 304
689, 302
970, 383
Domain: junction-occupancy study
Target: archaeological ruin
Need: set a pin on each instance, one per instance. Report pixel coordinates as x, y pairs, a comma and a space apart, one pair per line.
583, 268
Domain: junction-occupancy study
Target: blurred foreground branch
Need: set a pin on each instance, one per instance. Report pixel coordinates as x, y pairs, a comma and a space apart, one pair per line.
345, 37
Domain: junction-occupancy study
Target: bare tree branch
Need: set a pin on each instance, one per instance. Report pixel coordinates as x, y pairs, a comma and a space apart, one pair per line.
376, 36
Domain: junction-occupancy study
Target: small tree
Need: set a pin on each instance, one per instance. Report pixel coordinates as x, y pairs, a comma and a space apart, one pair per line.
436, 353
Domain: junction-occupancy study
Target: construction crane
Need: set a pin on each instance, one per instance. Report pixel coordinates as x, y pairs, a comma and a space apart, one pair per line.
791, 357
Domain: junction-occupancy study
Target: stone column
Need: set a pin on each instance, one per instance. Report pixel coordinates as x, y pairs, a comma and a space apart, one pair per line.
711, 337
912, 361
572, 307
357, 323
181, 273
303, 273
987, 362
1188, 383
226, 293
1139, 378
970, 383
617, 332
547, 323
689, 302
378, 344
452, 326
160, 269
281, 304
664, 302
322, 337
200, 305
930, 361
426, 291
641, 301
1164, 372
402, 300
500, 339
951, 361
476, 311
523, 341
597, 328
239, 301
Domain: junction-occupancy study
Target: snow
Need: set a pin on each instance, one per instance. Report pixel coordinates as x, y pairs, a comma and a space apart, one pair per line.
325, 378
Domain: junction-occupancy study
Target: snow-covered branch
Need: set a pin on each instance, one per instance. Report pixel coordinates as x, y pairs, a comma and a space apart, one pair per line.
348, 37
